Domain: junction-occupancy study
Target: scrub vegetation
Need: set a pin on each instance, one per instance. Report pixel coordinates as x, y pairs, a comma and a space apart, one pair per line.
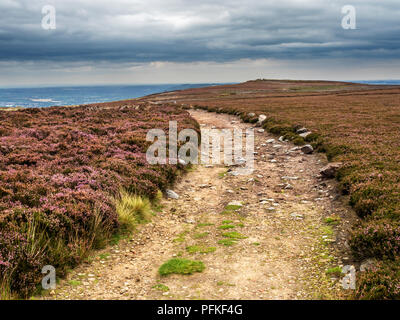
71, 178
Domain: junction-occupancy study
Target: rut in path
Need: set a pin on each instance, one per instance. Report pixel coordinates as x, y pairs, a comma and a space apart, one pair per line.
284, 253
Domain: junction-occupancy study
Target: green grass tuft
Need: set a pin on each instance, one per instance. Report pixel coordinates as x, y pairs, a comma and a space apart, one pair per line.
232, 208
227, 242
233, 235
205, 224
181, 266
336, 271
132, 210
161, 287
181, 237
226, 226
74, 283
200, 249
200, 235
332, 220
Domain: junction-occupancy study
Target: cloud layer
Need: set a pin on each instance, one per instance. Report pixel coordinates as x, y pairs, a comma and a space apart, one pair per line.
185, 31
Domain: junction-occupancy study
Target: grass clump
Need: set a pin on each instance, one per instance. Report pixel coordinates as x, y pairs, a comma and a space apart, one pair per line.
132, 210
227, 242
233, 235
181, 237
161, 287
231, 238
200, 249
226, 226
222, 174
332, 220
232, 207
104, 256
205, 224
336, 271
181, 266
200, 235
74, 283
327, 230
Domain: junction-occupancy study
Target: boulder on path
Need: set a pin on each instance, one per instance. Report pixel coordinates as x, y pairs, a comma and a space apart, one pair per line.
307, 149
330, 170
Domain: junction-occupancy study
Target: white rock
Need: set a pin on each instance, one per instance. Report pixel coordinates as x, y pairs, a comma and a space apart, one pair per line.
172, 194
297, 216
301, 130
305, 134
261, 120
235, 203
290, 178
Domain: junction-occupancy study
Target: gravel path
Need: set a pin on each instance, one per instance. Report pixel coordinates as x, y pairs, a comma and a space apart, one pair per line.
287, 245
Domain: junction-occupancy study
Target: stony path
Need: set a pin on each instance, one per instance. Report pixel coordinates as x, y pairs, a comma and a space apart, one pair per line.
284, 253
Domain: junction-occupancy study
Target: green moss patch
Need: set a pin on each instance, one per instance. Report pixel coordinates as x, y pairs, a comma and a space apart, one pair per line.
200, 249
200, 235
226, 226
227, 242
233, 235
181, 266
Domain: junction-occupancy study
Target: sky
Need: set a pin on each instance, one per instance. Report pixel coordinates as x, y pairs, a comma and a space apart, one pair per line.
186, 41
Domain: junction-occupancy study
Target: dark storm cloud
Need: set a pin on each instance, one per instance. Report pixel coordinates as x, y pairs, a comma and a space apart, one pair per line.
187, 31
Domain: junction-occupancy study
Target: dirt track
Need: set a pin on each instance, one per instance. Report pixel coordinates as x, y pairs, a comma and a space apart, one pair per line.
286, 252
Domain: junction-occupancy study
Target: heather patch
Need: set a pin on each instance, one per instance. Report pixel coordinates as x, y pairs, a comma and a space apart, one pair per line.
61, 169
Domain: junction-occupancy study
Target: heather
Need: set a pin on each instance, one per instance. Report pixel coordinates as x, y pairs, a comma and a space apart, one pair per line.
61, 170
355, 124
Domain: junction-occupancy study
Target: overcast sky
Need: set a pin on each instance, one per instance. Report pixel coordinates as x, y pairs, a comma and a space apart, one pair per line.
180, 41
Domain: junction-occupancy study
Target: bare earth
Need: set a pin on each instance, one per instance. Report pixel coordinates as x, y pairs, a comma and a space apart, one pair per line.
286, 252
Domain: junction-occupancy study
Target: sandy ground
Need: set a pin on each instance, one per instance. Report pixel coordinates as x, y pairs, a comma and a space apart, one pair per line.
286, 248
